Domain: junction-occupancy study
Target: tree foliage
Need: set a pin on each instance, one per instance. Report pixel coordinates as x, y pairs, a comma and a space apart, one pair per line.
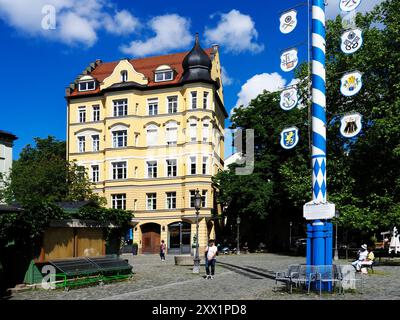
363, 172
39, 179
42, 173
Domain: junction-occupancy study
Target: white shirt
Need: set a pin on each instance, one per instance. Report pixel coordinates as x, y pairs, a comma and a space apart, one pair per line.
211, 252
363, 255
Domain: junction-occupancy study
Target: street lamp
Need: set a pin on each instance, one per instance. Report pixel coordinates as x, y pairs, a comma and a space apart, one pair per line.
290, 234
197, 205
238, 243
336, 255
180, 237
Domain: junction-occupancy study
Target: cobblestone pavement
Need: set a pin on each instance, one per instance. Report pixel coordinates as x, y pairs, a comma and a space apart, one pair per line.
248, 276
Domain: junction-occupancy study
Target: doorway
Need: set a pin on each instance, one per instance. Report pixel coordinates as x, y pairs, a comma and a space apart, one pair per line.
151, 238
179, 238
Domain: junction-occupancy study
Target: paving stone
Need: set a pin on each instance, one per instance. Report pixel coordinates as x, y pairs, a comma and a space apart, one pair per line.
243, 277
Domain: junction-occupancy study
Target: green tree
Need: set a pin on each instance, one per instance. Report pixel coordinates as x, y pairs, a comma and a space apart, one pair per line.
43, 174
363, 172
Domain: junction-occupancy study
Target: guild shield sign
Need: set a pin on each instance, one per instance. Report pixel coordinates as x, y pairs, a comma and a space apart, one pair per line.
289, 99
349, 5
288, 21
351, 125
352, 40
289, 137
351, 83
289, 60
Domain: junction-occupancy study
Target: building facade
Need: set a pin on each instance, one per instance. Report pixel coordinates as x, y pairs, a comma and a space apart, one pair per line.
6, 152
150, 132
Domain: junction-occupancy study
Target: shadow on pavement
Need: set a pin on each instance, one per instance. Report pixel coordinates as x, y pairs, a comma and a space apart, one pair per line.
248, 272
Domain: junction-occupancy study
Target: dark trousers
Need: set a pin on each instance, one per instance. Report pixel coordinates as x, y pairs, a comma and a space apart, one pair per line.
211, 264
162, 255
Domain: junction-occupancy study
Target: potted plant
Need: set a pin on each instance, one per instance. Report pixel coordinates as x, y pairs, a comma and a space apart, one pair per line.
135, 247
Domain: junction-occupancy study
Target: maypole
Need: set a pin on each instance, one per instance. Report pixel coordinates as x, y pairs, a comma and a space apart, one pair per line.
319, 231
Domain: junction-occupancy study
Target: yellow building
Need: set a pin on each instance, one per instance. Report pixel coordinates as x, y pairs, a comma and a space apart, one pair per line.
150, 132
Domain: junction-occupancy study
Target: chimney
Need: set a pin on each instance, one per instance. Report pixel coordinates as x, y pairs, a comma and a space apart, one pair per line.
215, 48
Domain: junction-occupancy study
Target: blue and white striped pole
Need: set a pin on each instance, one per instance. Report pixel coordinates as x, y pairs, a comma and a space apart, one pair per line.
319, 251
318, 102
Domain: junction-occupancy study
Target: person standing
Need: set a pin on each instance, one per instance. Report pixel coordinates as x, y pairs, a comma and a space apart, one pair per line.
163, 248
211, 259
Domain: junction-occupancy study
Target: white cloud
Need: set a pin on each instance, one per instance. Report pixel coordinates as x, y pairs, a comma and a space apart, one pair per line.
226, 79
171, 32
73, 28
332, 9
77, 22
122, 23
235, 32
257, 84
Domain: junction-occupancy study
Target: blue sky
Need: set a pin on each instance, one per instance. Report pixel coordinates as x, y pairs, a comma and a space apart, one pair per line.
38, 63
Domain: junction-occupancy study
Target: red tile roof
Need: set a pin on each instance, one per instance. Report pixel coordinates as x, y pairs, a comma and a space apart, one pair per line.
147, 66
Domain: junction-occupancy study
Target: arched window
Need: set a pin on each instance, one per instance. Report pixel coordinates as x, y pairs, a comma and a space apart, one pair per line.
124, 76
119, 136
152, 135
86, 83
193, 130
171, 133
163, 73
206, 130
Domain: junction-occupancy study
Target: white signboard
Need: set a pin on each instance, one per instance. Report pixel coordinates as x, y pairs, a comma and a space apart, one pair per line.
314, 211
351, 125
349, 5
289, 99
351, 83
352, 40
288, 21
289, 60
289, 137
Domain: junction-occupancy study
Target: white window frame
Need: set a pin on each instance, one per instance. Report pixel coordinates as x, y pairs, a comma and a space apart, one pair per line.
204, 198
204, 163
171, 133
164, 75
193, 130
95, 174
191, 163
172, 104
153, 102
193, 100
205, 132
115, 139
114, 170
192, 195
95, 142
120, 103
154, 129
82, 114
153, 201
86, 83
81, 144
115, 198
206, 94
171, 196
154, 165
124, 76
168, 165
96, 112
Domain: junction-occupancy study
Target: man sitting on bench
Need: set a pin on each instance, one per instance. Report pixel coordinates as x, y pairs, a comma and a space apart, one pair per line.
368, 262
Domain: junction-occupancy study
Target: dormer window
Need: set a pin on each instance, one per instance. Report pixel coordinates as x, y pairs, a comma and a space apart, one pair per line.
163, 73
124, 76
86, 83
